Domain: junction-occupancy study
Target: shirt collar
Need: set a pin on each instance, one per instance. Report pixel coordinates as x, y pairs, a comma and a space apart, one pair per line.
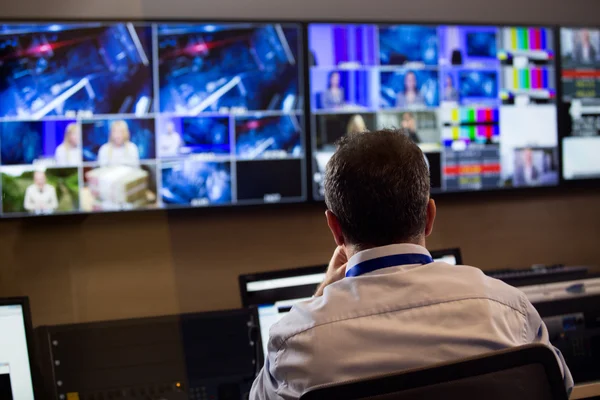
390, 250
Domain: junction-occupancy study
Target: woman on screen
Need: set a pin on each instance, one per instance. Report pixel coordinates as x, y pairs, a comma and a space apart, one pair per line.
119, 150
450, 92
411, 95
69, 151
333, 97
356, 124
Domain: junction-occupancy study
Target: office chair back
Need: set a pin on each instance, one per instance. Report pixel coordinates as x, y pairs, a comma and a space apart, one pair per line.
528, 372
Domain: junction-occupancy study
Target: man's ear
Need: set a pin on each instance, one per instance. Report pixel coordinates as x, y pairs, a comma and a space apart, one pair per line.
335, 228
431, 212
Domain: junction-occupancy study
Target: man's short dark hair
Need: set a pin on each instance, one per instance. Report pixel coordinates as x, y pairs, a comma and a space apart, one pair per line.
377, 185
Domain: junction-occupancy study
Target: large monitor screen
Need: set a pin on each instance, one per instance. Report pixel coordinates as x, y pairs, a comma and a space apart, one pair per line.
580, 55
480, 101
121, 116
15, 371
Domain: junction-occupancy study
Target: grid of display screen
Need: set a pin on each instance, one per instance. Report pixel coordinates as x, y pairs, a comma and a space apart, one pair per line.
580, 56
480, 101
121, 116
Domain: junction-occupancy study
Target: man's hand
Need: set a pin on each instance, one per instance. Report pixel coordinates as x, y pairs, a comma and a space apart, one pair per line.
336, 269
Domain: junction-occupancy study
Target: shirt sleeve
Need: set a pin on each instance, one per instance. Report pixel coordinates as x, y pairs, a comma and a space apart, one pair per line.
135, 155
102, 156
265, 385
29, 202
60, 155
537, 333
53, 199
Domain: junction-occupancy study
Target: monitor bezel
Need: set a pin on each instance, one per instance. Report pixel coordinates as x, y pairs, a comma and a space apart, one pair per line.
244, 279
587, 183
303, 85
24, 303
554, 28
455, 251
564, 187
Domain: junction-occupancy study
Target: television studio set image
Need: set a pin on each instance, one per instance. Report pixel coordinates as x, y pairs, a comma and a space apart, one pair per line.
268, 137
49, 143
408, 45
580, 79
333, 89
31, 190
228, 93
109, 142
74, 69
192, 182
206, 137
229, 67
409, 89
139, 115
119, 187
469, 90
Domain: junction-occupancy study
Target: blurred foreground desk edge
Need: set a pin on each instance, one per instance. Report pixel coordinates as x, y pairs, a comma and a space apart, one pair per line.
590, 390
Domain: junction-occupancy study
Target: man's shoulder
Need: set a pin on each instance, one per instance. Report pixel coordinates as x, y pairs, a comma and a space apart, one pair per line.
300, 318
486, 285
425, 286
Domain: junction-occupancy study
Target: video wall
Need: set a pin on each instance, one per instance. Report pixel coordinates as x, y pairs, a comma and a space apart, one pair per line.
146, 115
580, 59
122, 116
480, 101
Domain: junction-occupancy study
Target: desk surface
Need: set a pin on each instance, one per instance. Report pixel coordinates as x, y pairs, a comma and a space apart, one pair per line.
586, 390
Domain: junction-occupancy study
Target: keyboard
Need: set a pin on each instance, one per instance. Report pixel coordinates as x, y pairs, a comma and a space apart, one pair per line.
538, 275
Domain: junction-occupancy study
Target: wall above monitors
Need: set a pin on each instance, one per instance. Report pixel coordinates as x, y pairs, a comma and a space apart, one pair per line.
580, 57
121, 116
479, 100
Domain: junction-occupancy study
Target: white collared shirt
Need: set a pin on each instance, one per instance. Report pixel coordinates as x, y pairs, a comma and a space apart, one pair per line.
393, 319
67, 156
127, 154
40, 200
170, 144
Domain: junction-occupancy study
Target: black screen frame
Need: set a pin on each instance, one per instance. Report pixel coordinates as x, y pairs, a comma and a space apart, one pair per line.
33, 366
455, 252
564, 187
303, 85
554, 28
244, 279
563, 109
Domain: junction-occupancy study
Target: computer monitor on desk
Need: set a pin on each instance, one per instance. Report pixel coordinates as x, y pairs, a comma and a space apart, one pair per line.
573, 321
274, 293
16, 382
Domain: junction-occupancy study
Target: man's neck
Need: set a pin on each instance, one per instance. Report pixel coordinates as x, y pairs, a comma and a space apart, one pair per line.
352, 249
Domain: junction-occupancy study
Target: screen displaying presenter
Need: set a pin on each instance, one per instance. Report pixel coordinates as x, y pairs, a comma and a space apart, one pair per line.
450, 92
170, 141
69, 151
119, 150
333, 96
410, 96
527, 172
40, 197
584, 51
